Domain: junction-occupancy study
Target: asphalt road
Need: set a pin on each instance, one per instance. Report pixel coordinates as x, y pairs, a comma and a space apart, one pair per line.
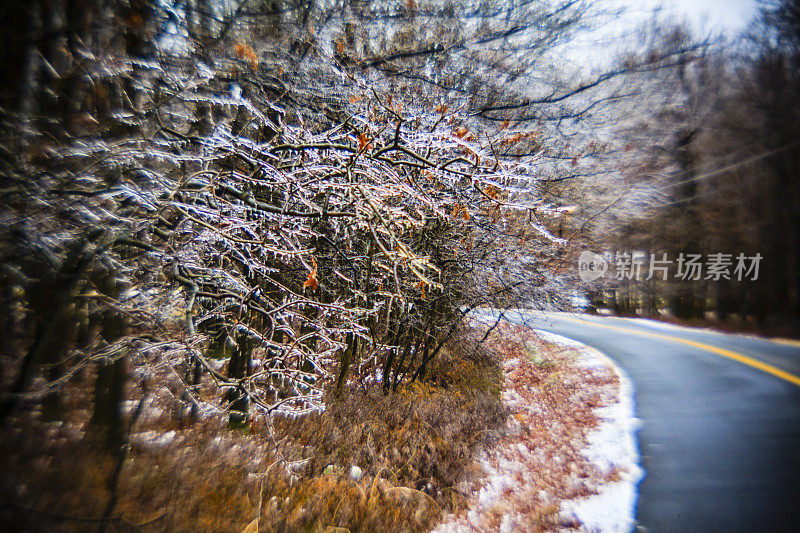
720, 434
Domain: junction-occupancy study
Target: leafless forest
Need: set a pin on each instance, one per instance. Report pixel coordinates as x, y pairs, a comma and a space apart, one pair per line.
240, 238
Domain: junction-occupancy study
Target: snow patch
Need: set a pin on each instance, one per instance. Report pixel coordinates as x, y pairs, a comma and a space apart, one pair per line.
558, 339
612, 448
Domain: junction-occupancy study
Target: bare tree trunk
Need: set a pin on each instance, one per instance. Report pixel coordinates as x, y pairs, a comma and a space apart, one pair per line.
109, 393
20, 30
112, 373
239, 366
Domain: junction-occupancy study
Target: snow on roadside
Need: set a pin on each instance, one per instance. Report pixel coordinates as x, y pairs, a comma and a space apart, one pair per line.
612, 447
568, 460
563, 341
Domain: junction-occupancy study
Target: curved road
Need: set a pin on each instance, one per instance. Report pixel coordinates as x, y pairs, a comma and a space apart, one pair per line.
720, 433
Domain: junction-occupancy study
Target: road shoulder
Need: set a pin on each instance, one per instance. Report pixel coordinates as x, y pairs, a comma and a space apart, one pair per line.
568, 459
612, 446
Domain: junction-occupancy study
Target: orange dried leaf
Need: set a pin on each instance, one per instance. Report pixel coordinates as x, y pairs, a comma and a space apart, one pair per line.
512, 139
492, 192
441, 109
461, 132
245, 51
311, 281
422, 287
363, 141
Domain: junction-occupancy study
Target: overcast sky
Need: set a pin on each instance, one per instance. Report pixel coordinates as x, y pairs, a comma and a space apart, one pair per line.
709, 15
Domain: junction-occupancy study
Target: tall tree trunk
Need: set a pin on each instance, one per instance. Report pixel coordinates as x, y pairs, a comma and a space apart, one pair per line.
239, 366
112, 372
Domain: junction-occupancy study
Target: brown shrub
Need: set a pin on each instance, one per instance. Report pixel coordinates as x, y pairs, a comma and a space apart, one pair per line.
413, 447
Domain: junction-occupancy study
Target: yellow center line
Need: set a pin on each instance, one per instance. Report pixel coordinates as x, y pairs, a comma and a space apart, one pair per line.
740, 358
795, 343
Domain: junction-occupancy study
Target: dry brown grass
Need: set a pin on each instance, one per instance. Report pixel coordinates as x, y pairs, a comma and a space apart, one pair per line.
417, 449
414, 446
538, 463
